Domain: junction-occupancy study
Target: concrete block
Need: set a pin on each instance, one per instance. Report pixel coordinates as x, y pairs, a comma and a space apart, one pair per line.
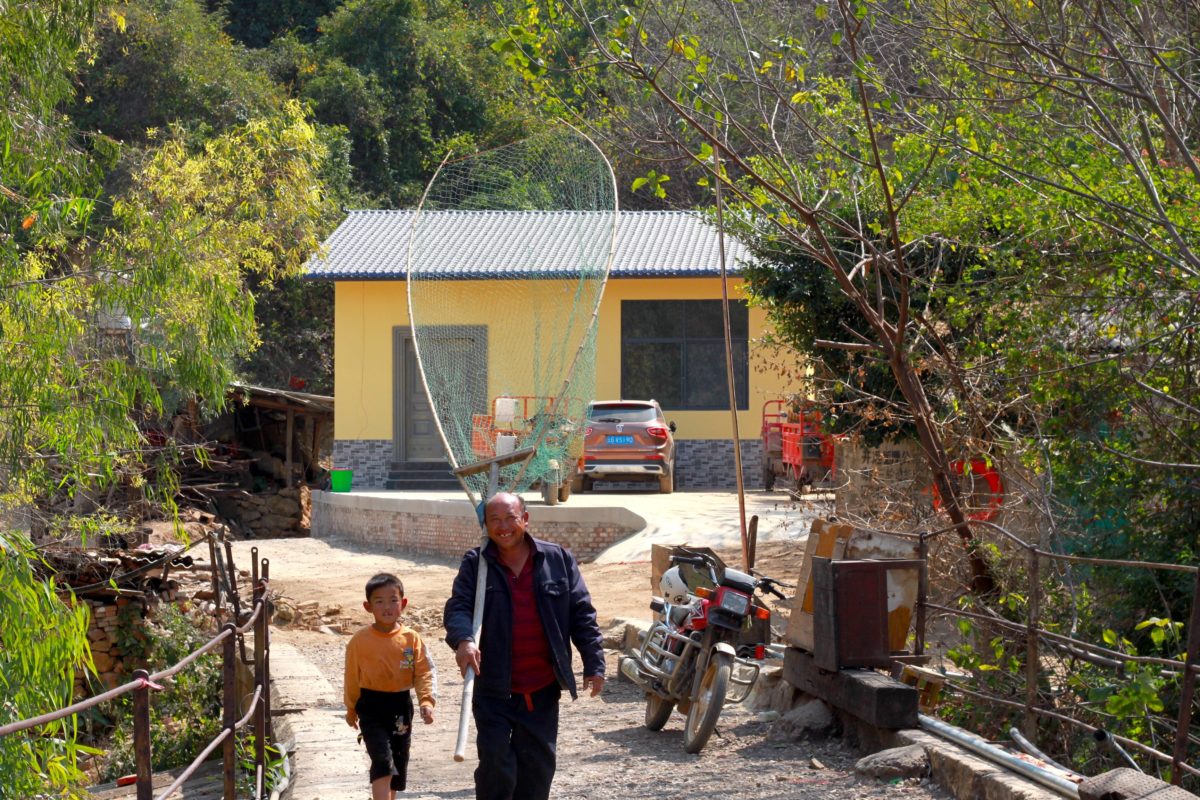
967, 776
909, 761
1129, 784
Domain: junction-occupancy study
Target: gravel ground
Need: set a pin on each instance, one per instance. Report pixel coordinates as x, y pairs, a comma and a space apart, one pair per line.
605, 752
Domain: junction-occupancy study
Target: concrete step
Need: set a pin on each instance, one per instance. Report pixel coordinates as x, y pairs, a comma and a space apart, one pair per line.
420, 475
418, 485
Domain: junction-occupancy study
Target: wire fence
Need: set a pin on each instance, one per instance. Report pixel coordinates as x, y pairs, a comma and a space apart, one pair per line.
254, 622
1043, 683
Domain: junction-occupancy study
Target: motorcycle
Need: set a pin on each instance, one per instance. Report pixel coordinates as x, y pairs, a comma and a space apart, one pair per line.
710, 633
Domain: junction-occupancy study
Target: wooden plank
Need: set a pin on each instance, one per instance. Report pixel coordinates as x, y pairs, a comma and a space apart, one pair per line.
827, 540
660, 560
850, 614
870, 696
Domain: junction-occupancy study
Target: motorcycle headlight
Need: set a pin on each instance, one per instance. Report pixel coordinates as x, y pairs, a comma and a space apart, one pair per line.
734, 602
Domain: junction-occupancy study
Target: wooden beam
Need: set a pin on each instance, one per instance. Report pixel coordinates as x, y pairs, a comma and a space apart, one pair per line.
499, 461
874, 698
287, 461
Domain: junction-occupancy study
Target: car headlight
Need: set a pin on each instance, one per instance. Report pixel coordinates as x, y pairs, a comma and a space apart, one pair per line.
735, 602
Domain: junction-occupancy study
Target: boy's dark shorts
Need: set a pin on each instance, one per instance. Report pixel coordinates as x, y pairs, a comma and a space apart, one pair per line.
385, 721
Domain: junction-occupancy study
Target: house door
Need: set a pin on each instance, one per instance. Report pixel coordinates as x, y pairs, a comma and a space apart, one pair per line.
416, 435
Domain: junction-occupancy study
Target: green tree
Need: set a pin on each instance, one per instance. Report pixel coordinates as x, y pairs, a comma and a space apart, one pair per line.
45, 643
156, 309
256, 23
1002, 227
408, 81
164, 63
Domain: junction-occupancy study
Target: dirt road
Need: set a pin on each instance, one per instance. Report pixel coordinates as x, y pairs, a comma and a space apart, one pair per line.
605, 753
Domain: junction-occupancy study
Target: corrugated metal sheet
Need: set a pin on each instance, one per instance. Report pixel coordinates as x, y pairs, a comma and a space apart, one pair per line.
511, 244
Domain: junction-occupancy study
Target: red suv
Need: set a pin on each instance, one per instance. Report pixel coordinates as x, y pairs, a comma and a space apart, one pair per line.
627, 440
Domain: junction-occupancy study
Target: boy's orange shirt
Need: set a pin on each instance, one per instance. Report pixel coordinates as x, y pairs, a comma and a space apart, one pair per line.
389, 662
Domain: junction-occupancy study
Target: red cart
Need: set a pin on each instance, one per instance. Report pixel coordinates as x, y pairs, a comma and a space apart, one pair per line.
796, 446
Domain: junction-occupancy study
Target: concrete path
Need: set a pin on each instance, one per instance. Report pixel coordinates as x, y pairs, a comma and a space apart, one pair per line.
711, 519
326, 763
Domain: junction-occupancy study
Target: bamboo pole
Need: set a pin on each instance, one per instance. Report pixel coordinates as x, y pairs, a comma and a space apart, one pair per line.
729, 377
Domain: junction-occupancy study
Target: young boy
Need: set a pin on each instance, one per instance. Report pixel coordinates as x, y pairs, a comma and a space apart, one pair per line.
383, 662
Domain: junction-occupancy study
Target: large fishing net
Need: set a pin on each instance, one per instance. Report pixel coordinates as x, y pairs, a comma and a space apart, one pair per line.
508, 257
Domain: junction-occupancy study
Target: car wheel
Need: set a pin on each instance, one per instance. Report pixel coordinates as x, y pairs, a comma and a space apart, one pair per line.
666, 484
564, 492
586, 484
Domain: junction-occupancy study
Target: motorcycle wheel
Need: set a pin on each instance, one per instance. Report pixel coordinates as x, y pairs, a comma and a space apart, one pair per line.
658, 711
706, 708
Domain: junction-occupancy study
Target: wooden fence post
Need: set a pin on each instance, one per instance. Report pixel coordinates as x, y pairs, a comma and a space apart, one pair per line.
260, 718
141, 736
229, 696
1032, 660
215, 561
267, 612
1188, 689
922, 594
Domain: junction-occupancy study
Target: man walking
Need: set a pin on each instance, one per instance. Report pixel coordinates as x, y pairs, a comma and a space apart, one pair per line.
537, 605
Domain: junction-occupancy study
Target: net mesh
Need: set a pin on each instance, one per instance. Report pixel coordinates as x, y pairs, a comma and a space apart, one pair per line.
508, 257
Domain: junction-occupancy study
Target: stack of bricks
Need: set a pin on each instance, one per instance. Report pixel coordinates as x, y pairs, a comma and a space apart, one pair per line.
103, 640
120, 621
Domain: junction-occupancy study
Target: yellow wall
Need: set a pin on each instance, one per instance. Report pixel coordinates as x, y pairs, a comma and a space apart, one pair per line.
365, 313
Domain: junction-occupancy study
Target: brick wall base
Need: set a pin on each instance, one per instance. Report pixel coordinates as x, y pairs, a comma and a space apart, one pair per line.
708, 464
369, 458
447, 529
702, 463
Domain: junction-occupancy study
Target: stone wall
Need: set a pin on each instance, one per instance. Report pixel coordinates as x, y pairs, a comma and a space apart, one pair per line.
448, 528
889, 483
285, 512
117, 625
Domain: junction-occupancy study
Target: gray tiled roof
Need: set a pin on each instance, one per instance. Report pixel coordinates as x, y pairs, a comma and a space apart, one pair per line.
498, 244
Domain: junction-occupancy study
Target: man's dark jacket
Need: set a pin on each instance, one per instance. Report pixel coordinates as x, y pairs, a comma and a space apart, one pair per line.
564, 606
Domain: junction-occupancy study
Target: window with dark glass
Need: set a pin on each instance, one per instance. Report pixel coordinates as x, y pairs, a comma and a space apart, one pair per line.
673, 351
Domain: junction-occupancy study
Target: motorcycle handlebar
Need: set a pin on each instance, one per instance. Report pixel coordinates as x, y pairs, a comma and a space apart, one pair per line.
774, 591
697, 560
769, 585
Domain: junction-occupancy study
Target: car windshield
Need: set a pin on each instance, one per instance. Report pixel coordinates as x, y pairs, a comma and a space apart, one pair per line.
622, 413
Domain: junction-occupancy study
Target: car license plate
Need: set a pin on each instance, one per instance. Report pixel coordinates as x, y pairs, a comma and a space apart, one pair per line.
620, 440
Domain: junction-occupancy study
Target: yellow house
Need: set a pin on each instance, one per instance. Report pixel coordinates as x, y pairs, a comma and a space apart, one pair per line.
661, 304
